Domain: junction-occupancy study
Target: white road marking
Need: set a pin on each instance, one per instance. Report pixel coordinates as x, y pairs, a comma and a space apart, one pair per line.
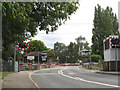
81, 79
71, 73
78, 68
30, 74
32, 79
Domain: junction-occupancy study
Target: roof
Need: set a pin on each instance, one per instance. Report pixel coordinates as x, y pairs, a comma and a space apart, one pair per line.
35, 53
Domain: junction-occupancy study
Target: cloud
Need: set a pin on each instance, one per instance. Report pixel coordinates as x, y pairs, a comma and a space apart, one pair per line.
81, 23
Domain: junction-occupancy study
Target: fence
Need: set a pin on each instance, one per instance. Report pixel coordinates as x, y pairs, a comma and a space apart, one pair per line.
7, 66
22, 67
93, 66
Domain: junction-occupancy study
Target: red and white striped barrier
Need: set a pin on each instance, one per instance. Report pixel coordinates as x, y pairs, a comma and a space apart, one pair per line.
20, 64
91, 63
62, 64
81, 63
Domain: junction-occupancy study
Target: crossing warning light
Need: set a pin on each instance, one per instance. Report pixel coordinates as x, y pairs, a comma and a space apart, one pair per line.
23, 46
115, 41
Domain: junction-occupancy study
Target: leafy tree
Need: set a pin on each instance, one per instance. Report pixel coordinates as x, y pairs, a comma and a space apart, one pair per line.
114, 20
86, 46
80, 42
20, 20
37, 45
72, 52
61, 48
53, 56
96, 58
105, 23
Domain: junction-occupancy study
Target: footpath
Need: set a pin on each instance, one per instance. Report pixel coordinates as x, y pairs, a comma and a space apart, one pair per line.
18, 80
109, 72
102, 72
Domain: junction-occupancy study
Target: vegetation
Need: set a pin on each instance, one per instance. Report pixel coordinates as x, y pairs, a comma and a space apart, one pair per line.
72, 52
37, 45
43, 68
4, 74
96, 58
105, 23
94, 68
20, 20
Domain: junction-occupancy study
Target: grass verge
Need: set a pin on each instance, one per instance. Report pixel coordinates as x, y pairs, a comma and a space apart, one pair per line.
43, 67
4, 74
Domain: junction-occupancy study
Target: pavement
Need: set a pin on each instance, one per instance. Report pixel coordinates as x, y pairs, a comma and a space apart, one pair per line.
102, 72
18, 80
109, 72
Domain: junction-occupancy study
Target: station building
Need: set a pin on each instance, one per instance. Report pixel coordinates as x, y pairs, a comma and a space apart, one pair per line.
40, 57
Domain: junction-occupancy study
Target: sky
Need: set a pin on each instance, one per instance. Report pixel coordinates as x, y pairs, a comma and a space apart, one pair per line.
80, 24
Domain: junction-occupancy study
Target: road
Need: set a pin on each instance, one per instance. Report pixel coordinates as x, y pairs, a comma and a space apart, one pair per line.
73, 77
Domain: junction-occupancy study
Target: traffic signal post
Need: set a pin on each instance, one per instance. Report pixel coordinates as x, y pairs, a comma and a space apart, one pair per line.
21, 46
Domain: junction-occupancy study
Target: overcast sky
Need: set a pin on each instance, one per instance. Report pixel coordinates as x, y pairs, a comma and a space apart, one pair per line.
81, 23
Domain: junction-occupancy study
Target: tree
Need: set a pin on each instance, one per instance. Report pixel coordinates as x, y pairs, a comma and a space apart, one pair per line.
62, 51
71, 53
20, 20
96, 58
105, 23
37, 45
80, 42
114, 20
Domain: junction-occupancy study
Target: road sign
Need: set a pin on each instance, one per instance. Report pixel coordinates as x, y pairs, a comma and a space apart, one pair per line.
30, 57
43, 58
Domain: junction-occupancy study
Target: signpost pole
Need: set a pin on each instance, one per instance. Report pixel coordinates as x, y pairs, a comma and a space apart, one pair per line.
14, 53
116, 59
14, 56
38, 57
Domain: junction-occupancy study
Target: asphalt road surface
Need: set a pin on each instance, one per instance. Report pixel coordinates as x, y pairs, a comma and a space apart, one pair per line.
73, 77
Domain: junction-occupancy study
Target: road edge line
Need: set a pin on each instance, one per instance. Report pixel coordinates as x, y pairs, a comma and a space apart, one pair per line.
30, 74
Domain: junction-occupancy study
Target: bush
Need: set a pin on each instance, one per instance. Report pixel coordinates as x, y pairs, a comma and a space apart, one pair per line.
94, 68
27, 68
96, 58
10, 58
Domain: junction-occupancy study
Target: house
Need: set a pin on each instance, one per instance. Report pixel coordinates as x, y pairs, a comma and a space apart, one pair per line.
40, 57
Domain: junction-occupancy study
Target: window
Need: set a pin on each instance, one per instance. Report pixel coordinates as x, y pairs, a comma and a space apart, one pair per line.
107, 44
